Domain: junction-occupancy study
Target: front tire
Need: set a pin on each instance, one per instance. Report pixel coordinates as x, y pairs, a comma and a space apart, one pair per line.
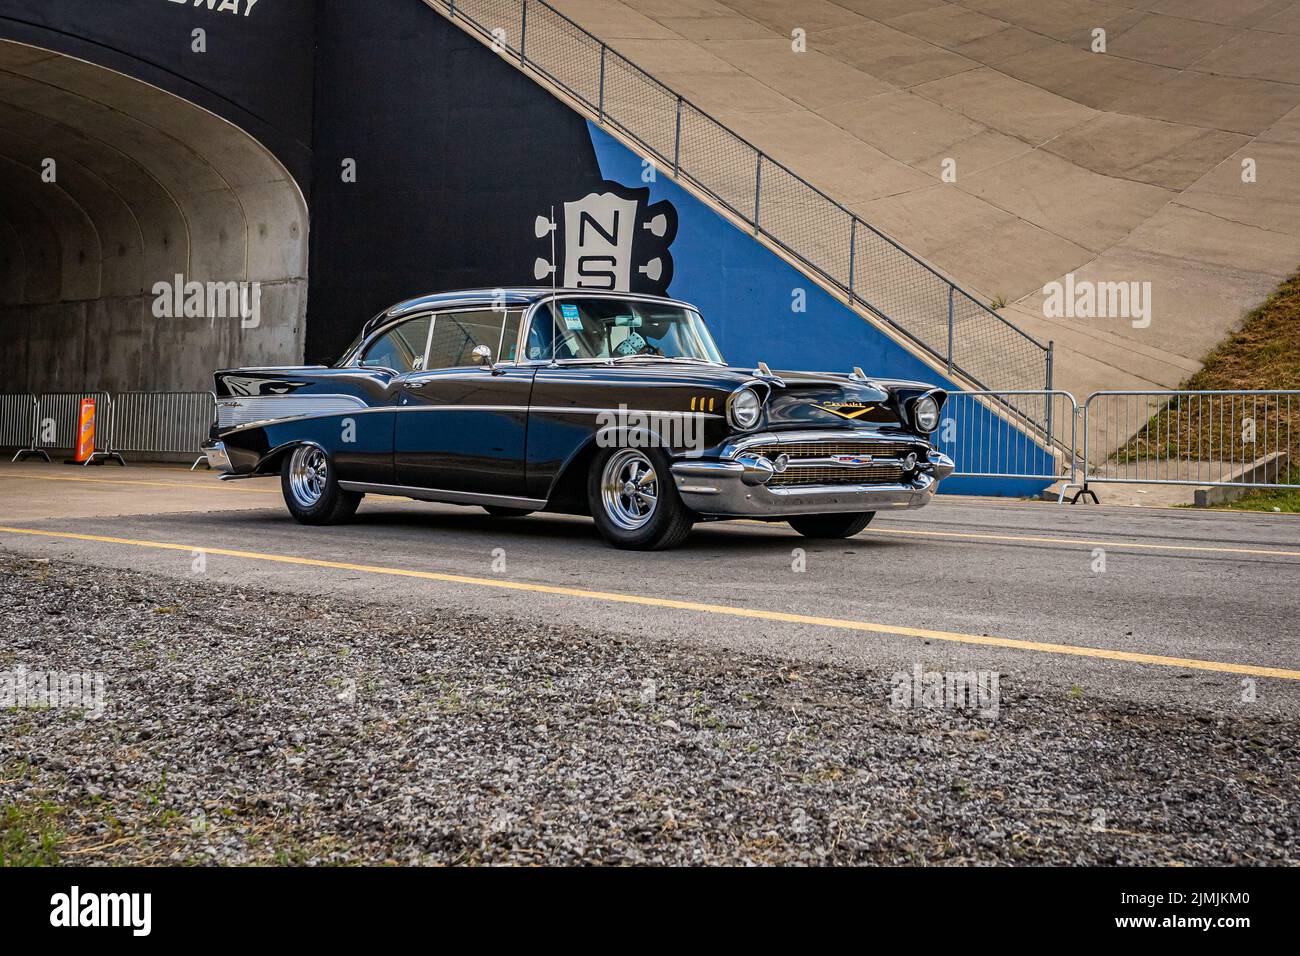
311, 490
634, 501
831, 526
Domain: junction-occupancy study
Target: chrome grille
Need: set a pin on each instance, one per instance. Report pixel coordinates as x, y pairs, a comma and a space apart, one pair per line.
824, 449
837, 475
829, 473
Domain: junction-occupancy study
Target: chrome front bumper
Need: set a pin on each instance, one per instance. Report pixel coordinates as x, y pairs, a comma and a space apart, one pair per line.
739, 489
218, 459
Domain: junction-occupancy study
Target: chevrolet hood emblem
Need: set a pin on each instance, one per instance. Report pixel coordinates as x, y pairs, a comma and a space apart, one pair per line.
849, 410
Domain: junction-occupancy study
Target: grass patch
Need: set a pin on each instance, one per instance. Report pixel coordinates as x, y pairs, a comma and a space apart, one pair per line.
30, 834
1263, 354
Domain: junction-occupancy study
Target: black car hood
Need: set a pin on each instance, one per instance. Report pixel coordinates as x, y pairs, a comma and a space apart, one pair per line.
802, 399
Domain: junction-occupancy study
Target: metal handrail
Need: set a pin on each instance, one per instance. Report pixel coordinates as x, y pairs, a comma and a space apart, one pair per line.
983, 371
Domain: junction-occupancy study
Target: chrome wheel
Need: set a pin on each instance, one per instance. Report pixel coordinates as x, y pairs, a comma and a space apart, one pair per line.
308, 475
629, 489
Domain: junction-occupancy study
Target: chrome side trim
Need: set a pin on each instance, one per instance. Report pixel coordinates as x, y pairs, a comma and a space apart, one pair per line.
551, 409
443, 495
235, 411
522, 409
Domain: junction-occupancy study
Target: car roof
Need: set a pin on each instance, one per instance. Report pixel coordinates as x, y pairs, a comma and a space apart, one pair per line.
513, 295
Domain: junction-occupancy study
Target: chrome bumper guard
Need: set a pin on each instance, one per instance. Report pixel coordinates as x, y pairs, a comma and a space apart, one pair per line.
738, 488
218, 459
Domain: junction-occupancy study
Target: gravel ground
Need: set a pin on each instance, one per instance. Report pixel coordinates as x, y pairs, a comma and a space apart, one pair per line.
247, 726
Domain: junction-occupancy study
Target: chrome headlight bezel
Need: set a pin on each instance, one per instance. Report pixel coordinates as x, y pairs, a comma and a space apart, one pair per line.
744, 409
924, 414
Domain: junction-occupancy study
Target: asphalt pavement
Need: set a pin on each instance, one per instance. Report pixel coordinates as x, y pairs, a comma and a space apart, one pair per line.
1193, 607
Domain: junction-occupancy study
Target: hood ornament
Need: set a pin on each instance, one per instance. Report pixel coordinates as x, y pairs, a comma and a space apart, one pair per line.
767, 375
857, 375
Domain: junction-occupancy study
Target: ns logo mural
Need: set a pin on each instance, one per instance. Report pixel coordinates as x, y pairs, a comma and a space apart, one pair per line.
611, 240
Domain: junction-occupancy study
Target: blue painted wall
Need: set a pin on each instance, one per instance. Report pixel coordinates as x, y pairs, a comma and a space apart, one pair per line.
746, 292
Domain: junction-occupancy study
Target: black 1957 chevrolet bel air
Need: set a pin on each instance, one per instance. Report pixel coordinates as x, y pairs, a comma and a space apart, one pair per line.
614, 405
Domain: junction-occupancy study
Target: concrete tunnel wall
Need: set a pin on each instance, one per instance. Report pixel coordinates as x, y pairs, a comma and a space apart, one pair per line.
147, 186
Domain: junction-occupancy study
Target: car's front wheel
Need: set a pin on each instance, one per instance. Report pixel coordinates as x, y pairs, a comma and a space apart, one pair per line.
311, 489
634, 501
832, 526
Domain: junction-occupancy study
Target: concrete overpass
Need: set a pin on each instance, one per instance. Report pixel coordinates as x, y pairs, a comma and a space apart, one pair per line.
111, 186
225, 166
1118, 166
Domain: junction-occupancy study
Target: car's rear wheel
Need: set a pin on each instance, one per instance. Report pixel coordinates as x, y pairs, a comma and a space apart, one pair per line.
832, 526
498, 512
311, 489
634, 501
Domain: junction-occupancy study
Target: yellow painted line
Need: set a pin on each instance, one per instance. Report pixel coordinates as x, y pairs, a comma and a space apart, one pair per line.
1252, 670
215, 486
1084, 542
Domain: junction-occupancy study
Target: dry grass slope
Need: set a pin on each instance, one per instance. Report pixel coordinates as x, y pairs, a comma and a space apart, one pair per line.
1263, 354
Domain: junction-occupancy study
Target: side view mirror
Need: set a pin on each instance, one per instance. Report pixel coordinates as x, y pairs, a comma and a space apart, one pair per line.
482, 356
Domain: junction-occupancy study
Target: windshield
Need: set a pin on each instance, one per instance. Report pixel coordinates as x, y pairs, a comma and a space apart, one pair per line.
614, 329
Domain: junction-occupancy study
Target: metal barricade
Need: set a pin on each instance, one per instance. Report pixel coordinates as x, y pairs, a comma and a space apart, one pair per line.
18, 424
1022, 434
1231, 439
58, 421
169, 423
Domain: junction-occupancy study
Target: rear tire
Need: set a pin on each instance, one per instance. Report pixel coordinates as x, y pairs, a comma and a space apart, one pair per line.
832, 526
311, 490
634, 500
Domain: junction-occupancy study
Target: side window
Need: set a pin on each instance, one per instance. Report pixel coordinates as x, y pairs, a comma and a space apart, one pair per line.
457, 334
542, 338
402, 347
510, 337
573, 339
540, 332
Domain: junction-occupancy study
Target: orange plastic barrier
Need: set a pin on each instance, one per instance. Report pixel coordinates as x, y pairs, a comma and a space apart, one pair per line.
86, 431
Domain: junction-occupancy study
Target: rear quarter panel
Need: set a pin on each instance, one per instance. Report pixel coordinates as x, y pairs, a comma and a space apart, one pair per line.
348, 412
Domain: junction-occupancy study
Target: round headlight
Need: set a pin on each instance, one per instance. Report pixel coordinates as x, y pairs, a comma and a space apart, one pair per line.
745, 409
925, 414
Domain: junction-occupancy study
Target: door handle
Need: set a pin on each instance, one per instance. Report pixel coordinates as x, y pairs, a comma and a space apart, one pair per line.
416, 384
